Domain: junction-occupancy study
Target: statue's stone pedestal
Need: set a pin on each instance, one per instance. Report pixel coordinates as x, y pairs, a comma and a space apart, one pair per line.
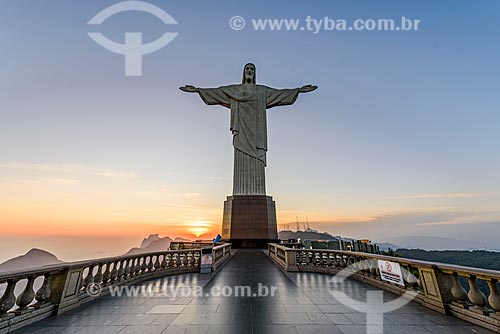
249, 221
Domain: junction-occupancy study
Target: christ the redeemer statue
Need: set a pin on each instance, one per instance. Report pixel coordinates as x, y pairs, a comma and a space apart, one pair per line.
248, 103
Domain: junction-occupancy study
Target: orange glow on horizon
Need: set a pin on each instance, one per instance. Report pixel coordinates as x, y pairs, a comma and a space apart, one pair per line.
200, 228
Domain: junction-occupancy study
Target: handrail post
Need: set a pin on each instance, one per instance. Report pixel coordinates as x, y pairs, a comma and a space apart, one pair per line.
291, 259
65, 287
436, 286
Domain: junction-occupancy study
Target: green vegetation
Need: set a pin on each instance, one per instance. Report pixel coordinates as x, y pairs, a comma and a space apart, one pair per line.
478, 258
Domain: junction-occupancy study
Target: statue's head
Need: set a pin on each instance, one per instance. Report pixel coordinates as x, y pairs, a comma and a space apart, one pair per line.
249, 74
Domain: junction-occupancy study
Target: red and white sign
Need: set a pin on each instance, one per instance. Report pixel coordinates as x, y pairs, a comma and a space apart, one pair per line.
206, 260
390, 272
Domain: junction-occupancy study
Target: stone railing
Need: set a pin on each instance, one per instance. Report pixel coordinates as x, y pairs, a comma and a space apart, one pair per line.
221, 253
30, 295
448, 289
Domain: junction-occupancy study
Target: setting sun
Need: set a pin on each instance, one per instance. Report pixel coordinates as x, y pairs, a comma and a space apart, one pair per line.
200, 227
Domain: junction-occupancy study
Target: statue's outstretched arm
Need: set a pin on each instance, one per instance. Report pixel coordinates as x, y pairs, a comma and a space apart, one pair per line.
211, 96
189, 89
307, 88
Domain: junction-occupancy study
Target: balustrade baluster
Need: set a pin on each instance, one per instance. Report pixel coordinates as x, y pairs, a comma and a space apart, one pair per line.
8, 299
126, 268
328, 260
335, 262
90, 277
27, 296
475, 295
164, 262
457, 290
494, 297
113, 276
157, 263
181, 259
361, 265
410, 278
342, 261
352, 263
144, 265
107, 274
133, 267
348, 261
171, 261
98, 274
121, 271
373, 267
366, 266
138, 266
130, 268
43, 294
150, 264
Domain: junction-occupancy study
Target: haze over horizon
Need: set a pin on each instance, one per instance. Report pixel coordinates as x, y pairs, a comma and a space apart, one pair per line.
401, 138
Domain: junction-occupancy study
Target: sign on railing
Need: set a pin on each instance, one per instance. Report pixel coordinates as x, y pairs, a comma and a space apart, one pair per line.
390, 272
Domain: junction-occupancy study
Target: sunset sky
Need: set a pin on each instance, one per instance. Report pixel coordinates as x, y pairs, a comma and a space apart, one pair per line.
401, 138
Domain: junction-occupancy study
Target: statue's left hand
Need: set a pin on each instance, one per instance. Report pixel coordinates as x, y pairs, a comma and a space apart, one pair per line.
307, 88
189, 88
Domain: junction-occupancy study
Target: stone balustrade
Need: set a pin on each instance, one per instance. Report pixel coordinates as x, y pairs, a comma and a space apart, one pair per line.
220, 254
448, 289
27, 296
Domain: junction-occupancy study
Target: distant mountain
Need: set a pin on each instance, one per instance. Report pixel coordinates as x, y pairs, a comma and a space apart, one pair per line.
147, 241
285, 235
435, 243
153, 243
384, 246
32, 259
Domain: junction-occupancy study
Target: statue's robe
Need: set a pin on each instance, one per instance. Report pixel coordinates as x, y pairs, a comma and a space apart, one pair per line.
248, 104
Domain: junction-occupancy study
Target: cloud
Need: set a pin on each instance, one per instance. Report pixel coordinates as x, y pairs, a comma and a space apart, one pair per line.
50, 181
478, 226
69, 168
443, 195
453, 222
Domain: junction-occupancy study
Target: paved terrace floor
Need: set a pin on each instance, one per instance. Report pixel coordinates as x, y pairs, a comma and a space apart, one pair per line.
301, 304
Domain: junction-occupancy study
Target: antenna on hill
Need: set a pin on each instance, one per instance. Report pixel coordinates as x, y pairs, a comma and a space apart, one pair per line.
298, 226
307, 223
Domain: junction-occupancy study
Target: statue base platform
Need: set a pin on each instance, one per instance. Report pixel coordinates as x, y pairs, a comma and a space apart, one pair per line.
249, 221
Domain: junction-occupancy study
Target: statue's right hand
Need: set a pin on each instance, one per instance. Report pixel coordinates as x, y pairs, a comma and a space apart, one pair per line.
189, 88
